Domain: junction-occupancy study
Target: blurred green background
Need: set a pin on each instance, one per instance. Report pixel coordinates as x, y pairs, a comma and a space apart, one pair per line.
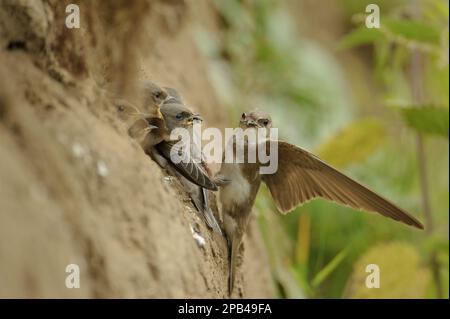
373, 103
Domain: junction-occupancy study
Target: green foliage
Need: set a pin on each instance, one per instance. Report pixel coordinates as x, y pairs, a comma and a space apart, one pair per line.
329, 268
319, 250
354, 143
278, 248
416, 51
361, 36
399, 31
412, 30
401, 273
427, 120
271, 71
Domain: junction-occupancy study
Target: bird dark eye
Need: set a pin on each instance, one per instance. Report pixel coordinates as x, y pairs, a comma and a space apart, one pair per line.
264, 122
179, 116
243, 116
158, 94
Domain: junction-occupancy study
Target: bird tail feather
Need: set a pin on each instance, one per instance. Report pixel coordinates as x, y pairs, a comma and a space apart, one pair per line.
233, 246
211, 220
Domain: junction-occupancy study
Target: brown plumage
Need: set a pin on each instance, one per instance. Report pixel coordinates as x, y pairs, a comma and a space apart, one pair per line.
151, 130
177, 115
187, 167
300, 177
148, 129
310, 178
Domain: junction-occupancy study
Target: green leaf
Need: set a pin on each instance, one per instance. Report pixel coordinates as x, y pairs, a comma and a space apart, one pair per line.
360, 36
412, 30
406, 29
427, 120
353, 144
329, 268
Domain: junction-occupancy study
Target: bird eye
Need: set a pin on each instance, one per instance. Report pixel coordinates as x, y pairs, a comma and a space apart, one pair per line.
264, 122
158, 94
179, 116
244, 116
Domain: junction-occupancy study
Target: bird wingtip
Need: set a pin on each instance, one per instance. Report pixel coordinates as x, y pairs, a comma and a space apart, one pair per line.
419, 225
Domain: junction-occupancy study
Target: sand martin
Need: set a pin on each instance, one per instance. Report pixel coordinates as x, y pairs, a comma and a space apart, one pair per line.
177, 115
300, 177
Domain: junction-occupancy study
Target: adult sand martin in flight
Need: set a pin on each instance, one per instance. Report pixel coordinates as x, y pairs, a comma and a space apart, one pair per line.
300, 177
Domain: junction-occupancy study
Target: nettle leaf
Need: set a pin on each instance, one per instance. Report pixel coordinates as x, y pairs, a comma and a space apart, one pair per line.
360, 36
427, 120
413, 30
405, 29
354, 143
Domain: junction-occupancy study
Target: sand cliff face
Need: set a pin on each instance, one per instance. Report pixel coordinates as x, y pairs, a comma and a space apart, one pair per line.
74, 189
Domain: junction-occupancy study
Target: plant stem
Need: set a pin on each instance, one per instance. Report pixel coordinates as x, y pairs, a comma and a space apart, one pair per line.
418, 96
429, 224
423, 178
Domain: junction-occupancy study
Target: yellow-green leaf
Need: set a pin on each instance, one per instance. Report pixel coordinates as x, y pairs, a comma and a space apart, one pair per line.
401, 273
353, 144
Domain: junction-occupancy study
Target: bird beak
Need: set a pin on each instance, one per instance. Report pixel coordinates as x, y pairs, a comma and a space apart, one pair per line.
251, 123
193, 119
168, 97
158, 113
246, 122
150, 128
197, 117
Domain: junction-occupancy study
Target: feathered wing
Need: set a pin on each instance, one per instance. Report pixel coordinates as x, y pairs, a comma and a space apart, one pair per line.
187, 166
301, 176
211, 220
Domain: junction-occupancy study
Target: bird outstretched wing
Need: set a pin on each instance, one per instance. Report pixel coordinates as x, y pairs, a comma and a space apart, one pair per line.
301, 176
